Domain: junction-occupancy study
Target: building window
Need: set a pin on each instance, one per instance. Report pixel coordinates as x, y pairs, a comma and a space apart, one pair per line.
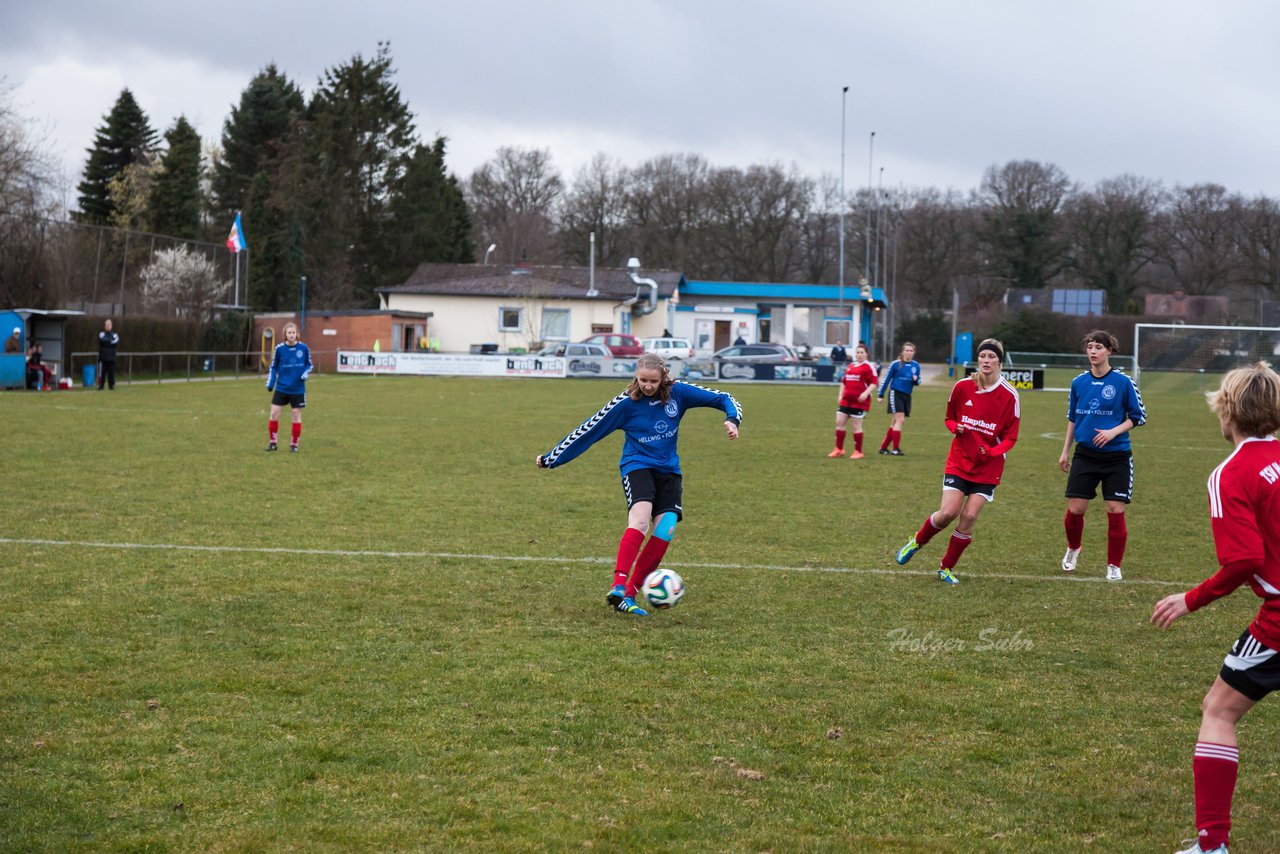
510, 319
555, 324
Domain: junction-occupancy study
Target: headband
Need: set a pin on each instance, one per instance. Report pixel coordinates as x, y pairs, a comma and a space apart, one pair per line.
993, 347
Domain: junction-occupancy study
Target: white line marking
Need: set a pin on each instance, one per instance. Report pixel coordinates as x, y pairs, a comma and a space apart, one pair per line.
1078, 579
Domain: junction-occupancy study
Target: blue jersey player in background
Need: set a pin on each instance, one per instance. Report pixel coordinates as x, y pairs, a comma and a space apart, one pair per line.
1102, 407
899, 380
649, 413
287, 382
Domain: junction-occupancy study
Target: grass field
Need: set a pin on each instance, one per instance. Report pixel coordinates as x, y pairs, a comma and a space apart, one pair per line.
396, 639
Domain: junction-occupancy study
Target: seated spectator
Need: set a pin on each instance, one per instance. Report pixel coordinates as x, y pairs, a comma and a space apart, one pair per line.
38, 373
13, 344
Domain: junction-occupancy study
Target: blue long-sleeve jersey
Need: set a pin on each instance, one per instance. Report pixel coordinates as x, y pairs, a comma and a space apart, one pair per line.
649, 424
290, 367
901, 376
1100, 403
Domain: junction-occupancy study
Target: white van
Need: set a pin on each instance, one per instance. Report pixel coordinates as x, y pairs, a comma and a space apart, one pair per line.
669, 348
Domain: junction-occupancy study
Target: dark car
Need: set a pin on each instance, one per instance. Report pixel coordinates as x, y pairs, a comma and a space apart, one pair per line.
621, 346
778, 353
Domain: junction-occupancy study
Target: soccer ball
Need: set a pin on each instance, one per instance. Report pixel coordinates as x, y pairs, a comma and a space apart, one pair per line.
664, 588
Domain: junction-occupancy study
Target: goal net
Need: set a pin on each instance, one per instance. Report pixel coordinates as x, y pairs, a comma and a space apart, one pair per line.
1203, 349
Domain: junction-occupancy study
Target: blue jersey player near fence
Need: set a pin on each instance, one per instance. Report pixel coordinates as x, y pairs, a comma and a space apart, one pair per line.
649, 413
287, 382
1102, 407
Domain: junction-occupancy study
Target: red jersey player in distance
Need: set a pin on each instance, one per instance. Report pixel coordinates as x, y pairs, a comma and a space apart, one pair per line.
856, 387
1244, 511
983, 412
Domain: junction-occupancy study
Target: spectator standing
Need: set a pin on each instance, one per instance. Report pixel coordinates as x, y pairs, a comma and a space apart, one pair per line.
108, 340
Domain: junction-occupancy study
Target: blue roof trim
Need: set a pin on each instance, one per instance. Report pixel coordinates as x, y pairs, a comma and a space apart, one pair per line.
770, 290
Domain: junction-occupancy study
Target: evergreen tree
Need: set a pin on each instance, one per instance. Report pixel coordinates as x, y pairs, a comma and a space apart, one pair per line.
175, 196
361, 139
430, 220
278, 256
252, 137
125, 138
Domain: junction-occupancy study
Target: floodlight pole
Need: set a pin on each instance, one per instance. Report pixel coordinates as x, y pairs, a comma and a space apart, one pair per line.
844, 94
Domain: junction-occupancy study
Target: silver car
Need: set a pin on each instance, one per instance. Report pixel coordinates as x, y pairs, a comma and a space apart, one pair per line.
752, 353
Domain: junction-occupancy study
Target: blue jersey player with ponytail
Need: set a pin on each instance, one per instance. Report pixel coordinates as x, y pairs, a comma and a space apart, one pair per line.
649, 413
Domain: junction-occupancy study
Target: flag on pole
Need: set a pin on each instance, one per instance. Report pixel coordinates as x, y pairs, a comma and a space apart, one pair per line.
235, 240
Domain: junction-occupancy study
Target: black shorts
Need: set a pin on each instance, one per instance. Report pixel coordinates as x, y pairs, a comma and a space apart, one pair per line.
1090, 467
899, 402
662, 488
1252, 667
852, 410
295, 401
956, 483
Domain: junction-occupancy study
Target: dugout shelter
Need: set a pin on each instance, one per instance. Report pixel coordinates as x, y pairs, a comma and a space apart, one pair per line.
47, 327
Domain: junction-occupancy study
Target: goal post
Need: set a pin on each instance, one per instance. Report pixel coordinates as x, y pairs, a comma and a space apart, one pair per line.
1201, 349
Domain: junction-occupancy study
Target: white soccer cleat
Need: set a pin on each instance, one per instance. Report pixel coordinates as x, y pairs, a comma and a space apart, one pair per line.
1069, 560
1113, 574
1196, 849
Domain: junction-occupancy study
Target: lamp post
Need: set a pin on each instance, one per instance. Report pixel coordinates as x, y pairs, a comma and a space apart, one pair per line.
488, 252
844, 94
866, 265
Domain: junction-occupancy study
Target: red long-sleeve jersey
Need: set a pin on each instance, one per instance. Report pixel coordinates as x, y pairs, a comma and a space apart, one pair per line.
858, 377
990, 419
1244, 510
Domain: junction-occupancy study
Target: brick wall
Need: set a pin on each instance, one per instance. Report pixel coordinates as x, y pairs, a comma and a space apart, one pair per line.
346, 332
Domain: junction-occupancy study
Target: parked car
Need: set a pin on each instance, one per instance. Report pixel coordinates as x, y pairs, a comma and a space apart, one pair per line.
576, 350
669, 348
621, 346
756, 353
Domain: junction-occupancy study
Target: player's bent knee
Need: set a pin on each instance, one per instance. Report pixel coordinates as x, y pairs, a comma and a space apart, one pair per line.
665, 528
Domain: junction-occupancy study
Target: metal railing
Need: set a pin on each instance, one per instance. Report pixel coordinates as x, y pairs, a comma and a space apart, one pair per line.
192, 365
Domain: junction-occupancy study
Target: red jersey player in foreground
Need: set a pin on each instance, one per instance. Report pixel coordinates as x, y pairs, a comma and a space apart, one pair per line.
854, 400
1244, 510
983, 413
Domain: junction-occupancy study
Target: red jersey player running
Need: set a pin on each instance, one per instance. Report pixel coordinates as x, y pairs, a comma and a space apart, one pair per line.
1244, 509
983, 413
856, 386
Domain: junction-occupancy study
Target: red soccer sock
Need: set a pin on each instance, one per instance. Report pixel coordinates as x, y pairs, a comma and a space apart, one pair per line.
273, 427
1074, 524
1214, 768
897, 439
927, 530
628, 548
1117, 536
296, 432
888, 437
646, 563
857, 441
840, 440
955, 548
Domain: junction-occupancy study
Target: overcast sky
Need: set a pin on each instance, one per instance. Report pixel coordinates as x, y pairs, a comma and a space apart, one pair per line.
1178, 91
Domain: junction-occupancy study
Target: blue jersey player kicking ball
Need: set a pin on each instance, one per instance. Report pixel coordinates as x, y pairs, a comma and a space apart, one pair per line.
287, 382
1102, 407
648, 412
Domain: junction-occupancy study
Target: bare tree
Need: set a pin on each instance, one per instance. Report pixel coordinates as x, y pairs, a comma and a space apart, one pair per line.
28, 181
596, 203
1111, 233
1258, 243
512, 199
667, 209
935, 249
1019, 232
1197, 238
754, 222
